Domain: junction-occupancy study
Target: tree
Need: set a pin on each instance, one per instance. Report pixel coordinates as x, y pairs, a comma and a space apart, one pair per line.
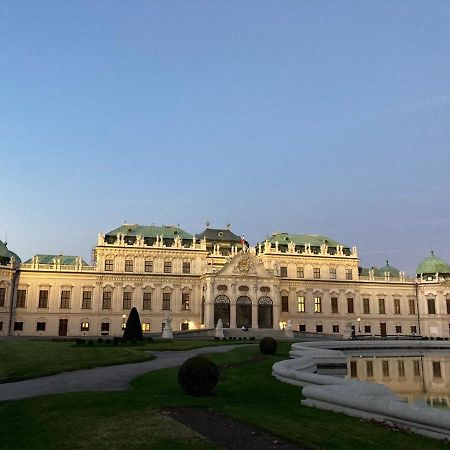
133, 329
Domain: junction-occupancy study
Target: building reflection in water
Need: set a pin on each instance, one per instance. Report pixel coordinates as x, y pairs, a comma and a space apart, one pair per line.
412, 378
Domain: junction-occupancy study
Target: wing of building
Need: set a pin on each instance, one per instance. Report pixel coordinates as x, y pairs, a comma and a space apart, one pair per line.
312, 282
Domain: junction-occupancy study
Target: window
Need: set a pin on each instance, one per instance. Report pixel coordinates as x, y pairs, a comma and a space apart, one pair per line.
316, 272
396, 306
185, 301
302, 328
43, 299
184, 326
301, 304
398, 329
104, 327
437, 369
334, 305
18, 326
65, 300
369, 369
147, 301
317, 304
353, 369
166, 300
145, 326
366, 306
381, 306
186, 267
448, 305
284, 303
126, 303
350, 306
283, 271
412, 306
148, 266
167, 266
21, 298
107, 297
124, 325
367, 329
401, 368
335, 328
413, 329
431, 306
416, 367
300, 272
84, 326
319, 328
1, 326
2, 297
333, 273
40, 326
348, 274
109, 265
385, 367
87, 300
128, 265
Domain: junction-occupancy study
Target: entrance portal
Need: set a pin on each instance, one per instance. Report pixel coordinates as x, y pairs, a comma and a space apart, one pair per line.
265, 312
222, 310
243, 312
63, 325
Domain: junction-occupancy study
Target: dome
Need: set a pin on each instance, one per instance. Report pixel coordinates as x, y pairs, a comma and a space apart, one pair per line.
432, 265
4, 253
393, 272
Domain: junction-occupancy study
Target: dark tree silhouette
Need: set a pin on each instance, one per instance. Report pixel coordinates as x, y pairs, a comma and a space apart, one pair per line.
133, 329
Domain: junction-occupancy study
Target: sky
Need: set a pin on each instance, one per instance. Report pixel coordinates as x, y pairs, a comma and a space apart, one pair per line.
309, 117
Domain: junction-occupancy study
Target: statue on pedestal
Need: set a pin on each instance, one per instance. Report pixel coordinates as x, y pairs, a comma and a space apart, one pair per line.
167, 332
219, 329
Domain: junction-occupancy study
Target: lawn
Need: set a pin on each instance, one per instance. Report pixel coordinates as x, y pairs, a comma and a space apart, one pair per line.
131, 419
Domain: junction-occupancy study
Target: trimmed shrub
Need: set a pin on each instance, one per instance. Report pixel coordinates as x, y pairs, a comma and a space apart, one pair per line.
150, 339
133, 329
197, 376
79, 341
268, 345
108, 341
100, 340
252, 338
90, 343
116, 340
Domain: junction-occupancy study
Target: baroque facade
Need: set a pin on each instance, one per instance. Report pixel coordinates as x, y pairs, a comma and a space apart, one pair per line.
314, 282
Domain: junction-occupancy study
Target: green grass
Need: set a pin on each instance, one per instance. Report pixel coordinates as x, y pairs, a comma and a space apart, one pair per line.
130, 419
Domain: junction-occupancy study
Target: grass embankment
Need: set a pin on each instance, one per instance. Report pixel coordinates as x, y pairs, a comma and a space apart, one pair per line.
130, 419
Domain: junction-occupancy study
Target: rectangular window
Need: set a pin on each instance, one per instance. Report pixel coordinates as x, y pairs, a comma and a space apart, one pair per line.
398, 329
367, 329
148, 266
126, 304
1, 326
283, 271
167, 266
369, 369
353, 369
128, 265
334, 305
184, 326
147, 301
186, 267
412, 306
317, 304
84, 326
43, 299
109, 265
21, 298
335, 328
40, 326
332, 273
401, 368
300, 272
18, 326
107, 297
348, 274
284, 303
319, 328
185, 306
448, 305
437, 369
145, 326
366, 306
87, 300
2, 297
301, 304
381, 306
104, 326
416, 367
385, 366
431, 306
166, 300
350, 306
413, 329
65, 300
302, 328
316, 272
397, 306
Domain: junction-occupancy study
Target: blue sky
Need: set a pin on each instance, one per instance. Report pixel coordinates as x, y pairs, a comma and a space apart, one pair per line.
301, 116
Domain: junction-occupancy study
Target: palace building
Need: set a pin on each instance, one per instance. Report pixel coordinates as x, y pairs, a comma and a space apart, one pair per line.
312, 281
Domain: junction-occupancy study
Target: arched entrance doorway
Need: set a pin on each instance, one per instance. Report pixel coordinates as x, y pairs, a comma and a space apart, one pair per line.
265, 312
243, 312
222, 310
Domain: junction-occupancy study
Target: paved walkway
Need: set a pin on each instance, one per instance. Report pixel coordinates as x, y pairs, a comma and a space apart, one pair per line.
100, 378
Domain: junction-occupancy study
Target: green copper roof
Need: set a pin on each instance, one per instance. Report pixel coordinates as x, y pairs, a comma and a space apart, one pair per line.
220, 235
4, 253
16, 257
391, 270
316, 240
150, 231
66, 260
432, 265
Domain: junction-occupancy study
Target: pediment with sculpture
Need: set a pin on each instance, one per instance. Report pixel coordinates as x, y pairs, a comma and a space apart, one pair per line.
244, 264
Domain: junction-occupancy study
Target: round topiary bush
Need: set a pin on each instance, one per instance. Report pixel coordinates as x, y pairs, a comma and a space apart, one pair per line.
268, 345
198, 376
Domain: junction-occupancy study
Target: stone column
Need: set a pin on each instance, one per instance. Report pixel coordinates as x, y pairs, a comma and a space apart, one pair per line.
276, 316
255, 314
233, 314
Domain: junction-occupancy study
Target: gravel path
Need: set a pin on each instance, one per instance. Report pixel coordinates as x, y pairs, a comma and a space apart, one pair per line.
100, 378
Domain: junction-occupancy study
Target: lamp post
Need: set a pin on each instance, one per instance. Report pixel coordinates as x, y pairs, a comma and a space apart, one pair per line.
124, 319
359, 324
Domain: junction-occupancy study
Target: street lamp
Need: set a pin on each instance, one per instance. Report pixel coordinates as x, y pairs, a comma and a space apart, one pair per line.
359, 324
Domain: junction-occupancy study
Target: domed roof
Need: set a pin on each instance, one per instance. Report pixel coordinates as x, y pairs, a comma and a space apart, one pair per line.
433, 265
15, 255
4, 253
393, 272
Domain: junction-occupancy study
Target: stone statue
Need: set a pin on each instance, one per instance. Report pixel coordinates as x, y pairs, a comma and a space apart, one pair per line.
219, 329
276, 246
267, 246
167, 332
288, 331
